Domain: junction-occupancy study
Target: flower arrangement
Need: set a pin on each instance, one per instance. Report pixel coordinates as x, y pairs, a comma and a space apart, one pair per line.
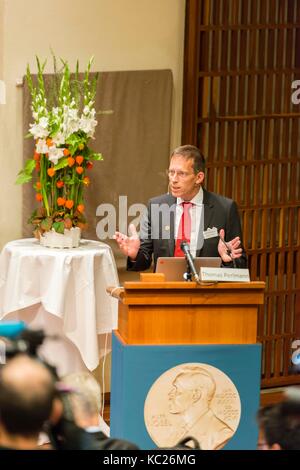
64, 121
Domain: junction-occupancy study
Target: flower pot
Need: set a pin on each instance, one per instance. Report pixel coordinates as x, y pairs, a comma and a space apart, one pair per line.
69, 239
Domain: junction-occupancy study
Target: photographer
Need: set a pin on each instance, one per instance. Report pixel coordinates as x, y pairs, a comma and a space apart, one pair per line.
34, 401
27, 391
31, 401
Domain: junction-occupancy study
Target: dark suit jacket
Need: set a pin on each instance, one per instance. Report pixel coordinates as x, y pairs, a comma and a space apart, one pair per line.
101, 442
157, 233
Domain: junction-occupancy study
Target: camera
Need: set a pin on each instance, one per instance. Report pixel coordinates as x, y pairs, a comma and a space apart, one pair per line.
18, 339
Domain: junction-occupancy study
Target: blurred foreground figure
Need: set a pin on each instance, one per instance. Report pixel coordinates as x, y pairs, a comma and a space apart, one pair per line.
27, 392
280, 424
85, 401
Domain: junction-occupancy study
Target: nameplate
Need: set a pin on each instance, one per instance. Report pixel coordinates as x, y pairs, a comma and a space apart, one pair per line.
224, 274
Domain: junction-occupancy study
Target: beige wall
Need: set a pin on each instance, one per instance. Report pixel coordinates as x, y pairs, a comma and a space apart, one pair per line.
2, 107
1, 38
121, 34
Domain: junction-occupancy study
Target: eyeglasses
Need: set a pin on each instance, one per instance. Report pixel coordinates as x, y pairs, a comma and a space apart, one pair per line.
180, 174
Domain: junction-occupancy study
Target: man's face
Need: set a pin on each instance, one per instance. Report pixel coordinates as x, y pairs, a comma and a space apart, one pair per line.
183, 181
180, 398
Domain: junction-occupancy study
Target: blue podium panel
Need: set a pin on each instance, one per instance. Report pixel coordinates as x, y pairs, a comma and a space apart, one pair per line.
156, 398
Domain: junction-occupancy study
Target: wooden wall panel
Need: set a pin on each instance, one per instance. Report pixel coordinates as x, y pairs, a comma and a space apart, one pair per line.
240, 61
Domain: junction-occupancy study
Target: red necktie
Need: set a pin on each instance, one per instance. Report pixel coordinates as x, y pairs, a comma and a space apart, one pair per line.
184, 229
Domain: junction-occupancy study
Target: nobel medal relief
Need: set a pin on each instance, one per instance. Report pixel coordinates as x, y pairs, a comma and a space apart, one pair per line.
196, 400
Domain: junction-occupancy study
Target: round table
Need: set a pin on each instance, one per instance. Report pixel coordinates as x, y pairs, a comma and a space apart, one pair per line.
62, 291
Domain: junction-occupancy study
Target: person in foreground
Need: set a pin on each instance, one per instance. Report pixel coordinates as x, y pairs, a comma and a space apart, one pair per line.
279, 424
85, 400
27, 392
188, 212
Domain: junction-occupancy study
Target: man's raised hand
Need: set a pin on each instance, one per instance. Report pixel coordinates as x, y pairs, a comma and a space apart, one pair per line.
128, 245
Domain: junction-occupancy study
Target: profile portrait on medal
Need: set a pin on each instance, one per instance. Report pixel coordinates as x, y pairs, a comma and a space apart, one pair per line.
199, 401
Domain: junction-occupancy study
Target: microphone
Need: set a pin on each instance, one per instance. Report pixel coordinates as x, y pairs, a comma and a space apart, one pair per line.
229, 251
186, 250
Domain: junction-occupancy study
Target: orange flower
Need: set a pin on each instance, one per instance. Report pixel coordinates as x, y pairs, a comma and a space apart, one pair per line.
79, 170
36, 156
81, 146
66, 152
79, 159
89, 165
49, 142
61, 201
37, 166
51, 172
39, 197
60, 184
80, 208
71, 161
38, 185
69, 204
86, 180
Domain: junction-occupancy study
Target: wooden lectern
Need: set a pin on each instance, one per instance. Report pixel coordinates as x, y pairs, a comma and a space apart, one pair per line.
186, 313
165, 327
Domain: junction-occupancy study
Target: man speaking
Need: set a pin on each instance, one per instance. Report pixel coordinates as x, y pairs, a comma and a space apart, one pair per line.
209, 223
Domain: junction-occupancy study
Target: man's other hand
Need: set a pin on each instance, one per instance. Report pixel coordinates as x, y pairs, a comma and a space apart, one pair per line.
233, 247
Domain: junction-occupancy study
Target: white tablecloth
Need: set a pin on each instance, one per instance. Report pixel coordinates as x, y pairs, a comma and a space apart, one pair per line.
61, 290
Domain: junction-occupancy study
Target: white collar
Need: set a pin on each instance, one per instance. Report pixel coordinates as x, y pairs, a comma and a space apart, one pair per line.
197, 200
93, 429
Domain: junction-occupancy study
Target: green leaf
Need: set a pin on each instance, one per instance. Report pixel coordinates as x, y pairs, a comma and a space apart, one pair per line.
70, 179
59, 227
29, 166
96, 156
73, 141
46, 224
23, 178
63, 162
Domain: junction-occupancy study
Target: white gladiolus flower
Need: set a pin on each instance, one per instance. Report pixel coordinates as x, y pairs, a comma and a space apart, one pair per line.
59, 139
72, 113
43, 122
40, 129
70, 121
41, 146
55, 154
87, 125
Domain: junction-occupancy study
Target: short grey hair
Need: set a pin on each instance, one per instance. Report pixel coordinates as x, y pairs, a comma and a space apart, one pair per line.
86, 392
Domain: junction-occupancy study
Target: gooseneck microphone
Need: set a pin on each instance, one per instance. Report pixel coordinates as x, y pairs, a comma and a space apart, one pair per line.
186, 250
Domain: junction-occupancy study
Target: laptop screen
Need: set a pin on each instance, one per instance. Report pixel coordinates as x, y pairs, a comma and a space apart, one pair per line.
174, 268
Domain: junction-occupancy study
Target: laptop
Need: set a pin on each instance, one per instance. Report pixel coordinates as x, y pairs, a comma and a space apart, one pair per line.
174, 268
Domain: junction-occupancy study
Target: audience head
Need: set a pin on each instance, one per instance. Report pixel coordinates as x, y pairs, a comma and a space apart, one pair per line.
27, 390
85, 398
280, 423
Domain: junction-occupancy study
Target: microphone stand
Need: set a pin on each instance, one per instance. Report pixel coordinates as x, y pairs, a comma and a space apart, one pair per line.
229, 251
187, 276
191, 270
